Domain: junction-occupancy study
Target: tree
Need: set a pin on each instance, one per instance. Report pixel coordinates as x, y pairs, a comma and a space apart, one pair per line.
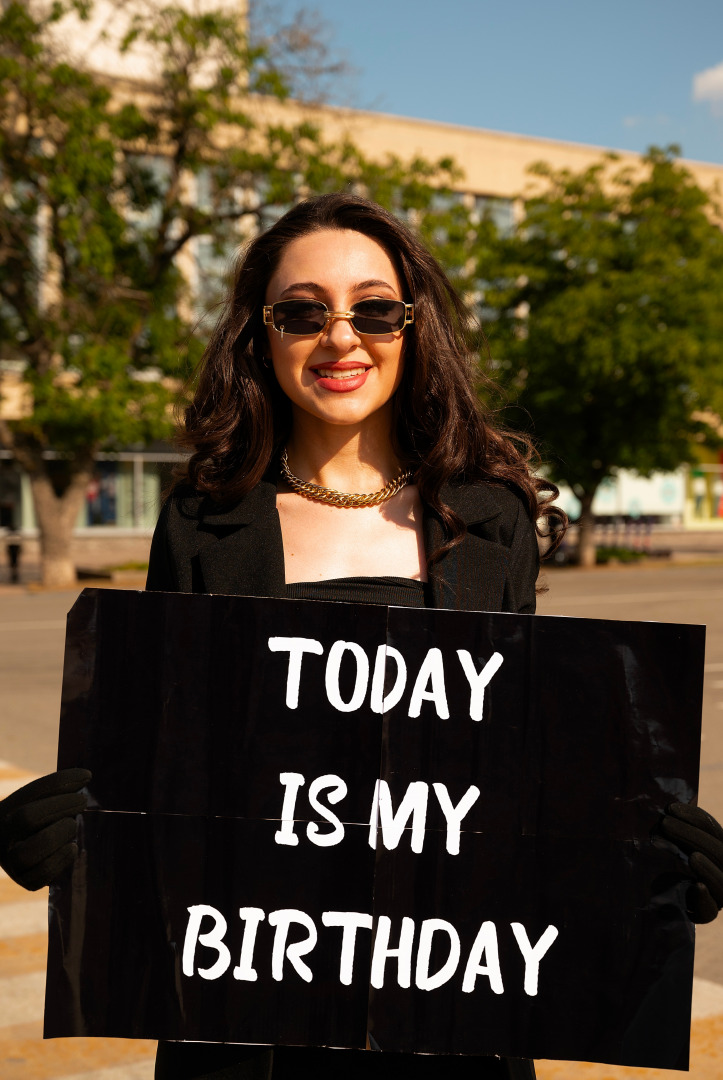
609, 331
104, 187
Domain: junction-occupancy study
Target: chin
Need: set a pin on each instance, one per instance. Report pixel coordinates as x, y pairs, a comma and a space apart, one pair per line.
342, 412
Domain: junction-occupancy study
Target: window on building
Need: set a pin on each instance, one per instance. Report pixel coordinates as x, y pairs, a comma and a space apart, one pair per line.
124, 492
213, 263
149, 177
499, 210
101, 495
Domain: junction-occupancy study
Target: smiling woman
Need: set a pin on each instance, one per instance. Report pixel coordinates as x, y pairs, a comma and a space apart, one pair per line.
343, 376
340, 451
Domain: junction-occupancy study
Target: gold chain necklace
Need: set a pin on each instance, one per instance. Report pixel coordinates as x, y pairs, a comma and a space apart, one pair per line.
340, 498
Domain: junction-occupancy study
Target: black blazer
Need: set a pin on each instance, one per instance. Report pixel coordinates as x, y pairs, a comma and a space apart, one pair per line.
199, 548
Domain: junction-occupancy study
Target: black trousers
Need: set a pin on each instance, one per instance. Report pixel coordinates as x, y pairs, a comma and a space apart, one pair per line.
211, 1061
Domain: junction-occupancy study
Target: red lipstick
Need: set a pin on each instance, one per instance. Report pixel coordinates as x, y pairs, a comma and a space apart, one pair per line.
336, 379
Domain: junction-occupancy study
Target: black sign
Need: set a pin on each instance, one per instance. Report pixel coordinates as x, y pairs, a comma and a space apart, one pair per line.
349, 825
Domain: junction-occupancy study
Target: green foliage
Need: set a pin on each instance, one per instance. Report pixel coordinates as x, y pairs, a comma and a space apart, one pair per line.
605, 555
76, 302
102, 191
609, 330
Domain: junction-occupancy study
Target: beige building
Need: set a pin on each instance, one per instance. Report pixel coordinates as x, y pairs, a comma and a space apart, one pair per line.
116, 523
494, 163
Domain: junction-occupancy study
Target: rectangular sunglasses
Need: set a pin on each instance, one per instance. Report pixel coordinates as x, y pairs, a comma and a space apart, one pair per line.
374, 316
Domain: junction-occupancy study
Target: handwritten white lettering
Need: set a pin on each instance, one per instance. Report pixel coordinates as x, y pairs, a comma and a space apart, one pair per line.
482, 957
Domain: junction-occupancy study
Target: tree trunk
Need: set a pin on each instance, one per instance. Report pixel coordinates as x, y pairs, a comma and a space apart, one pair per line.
56, 516
586, 540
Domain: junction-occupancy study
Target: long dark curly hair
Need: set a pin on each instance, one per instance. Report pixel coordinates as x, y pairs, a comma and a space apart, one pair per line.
239, 419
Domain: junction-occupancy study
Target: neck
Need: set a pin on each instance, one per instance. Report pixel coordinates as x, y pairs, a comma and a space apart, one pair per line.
351, 458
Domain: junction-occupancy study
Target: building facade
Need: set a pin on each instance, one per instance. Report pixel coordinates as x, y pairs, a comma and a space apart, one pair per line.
124, 497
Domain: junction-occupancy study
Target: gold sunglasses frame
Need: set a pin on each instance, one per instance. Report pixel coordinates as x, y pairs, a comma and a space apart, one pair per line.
330, 315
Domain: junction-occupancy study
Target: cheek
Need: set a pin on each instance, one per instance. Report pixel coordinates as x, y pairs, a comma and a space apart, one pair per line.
395, 365
280, 370
288, 367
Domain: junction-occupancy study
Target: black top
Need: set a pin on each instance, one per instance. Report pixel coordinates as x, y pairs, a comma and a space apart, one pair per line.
389, 591
201, 547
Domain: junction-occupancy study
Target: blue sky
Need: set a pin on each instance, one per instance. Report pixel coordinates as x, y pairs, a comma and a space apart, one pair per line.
618, 73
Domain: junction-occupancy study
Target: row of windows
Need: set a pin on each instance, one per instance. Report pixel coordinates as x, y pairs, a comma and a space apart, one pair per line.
123, 493
212, 262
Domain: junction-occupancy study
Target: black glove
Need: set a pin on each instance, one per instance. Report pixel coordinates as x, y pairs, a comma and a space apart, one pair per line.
701, 837
38, 827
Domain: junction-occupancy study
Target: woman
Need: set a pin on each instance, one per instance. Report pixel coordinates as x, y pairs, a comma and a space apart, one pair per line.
339, 451
343, 359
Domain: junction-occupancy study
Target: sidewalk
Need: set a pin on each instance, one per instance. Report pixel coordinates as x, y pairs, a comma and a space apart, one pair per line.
664, 547
30, 582
684, 545
25, 1055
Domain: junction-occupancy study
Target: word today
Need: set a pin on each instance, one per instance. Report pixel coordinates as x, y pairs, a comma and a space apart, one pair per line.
429, 683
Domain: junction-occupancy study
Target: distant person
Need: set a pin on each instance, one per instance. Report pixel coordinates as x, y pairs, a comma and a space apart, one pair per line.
700, 493
718, 496
14, 547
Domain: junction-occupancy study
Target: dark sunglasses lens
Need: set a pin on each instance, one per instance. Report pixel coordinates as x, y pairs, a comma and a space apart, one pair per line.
299, 316
379, 316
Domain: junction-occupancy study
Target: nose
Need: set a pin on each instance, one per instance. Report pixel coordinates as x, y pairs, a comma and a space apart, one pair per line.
339, 333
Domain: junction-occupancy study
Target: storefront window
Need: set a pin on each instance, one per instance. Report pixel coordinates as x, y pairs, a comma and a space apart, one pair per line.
125, 493
100, 496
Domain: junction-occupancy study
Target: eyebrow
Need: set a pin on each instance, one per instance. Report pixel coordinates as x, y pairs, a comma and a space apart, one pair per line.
303, 286
313, 286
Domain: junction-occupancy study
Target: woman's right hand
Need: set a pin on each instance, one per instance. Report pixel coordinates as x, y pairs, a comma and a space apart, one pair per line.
38, 828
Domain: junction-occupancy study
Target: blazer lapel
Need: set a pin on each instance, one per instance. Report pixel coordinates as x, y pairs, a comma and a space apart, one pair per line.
243, 554
472, 575
243, 551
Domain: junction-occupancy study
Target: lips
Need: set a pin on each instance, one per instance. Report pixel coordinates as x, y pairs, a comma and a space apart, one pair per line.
336, 373
341, 377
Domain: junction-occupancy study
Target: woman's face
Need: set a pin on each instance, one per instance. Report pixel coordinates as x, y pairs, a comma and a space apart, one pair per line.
338, 376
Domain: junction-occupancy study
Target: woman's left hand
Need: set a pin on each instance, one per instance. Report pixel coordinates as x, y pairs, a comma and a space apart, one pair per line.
701, 837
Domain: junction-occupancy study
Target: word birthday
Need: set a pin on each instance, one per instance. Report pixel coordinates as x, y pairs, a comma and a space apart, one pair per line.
429, 684
482, 959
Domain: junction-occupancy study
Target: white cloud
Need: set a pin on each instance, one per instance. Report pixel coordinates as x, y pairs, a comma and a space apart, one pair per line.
708, 85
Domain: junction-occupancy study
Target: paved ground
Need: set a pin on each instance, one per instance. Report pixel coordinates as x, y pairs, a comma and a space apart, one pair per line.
31, 648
